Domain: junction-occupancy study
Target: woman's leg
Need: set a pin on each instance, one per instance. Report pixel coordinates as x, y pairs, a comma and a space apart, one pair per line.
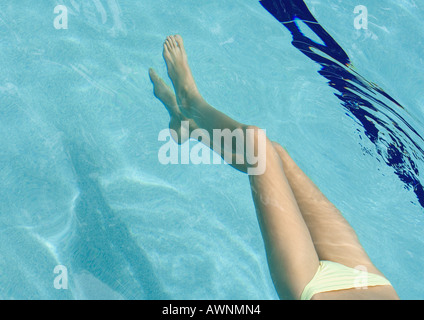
164, 93
291, 255
292, 258
333, 237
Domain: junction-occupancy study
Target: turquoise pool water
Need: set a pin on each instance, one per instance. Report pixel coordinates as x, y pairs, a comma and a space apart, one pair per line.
81, 184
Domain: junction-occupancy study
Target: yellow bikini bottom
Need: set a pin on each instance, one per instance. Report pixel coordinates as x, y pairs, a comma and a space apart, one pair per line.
332, 276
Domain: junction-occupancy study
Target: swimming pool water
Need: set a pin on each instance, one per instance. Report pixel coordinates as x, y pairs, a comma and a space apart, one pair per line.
81, 184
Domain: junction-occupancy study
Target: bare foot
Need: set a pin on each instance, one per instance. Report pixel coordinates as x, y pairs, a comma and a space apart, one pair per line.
179, 71
164, 93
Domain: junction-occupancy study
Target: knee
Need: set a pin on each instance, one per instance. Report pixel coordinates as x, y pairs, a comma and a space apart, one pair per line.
257, 147
256, 138
254, 133
276, 145
282, 152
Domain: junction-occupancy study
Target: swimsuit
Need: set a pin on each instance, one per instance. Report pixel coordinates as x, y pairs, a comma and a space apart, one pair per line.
332, 276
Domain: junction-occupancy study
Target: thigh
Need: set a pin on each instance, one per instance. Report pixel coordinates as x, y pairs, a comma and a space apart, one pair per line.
333, 237
291, 255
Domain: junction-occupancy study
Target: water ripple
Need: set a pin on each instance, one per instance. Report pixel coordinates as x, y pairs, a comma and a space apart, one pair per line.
385, 122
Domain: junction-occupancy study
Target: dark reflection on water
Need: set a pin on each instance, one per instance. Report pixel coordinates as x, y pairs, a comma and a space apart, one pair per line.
396, 142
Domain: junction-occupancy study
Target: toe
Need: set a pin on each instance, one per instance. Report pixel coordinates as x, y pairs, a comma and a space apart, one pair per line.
170, 42
179, 40
174, 42
154, 77
166, 50
171, 46
152, 73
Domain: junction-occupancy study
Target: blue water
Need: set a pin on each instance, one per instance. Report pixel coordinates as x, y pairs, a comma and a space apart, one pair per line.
81, 184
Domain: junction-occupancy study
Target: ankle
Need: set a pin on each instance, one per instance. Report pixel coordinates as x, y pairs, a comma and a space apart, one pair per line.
188, 98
